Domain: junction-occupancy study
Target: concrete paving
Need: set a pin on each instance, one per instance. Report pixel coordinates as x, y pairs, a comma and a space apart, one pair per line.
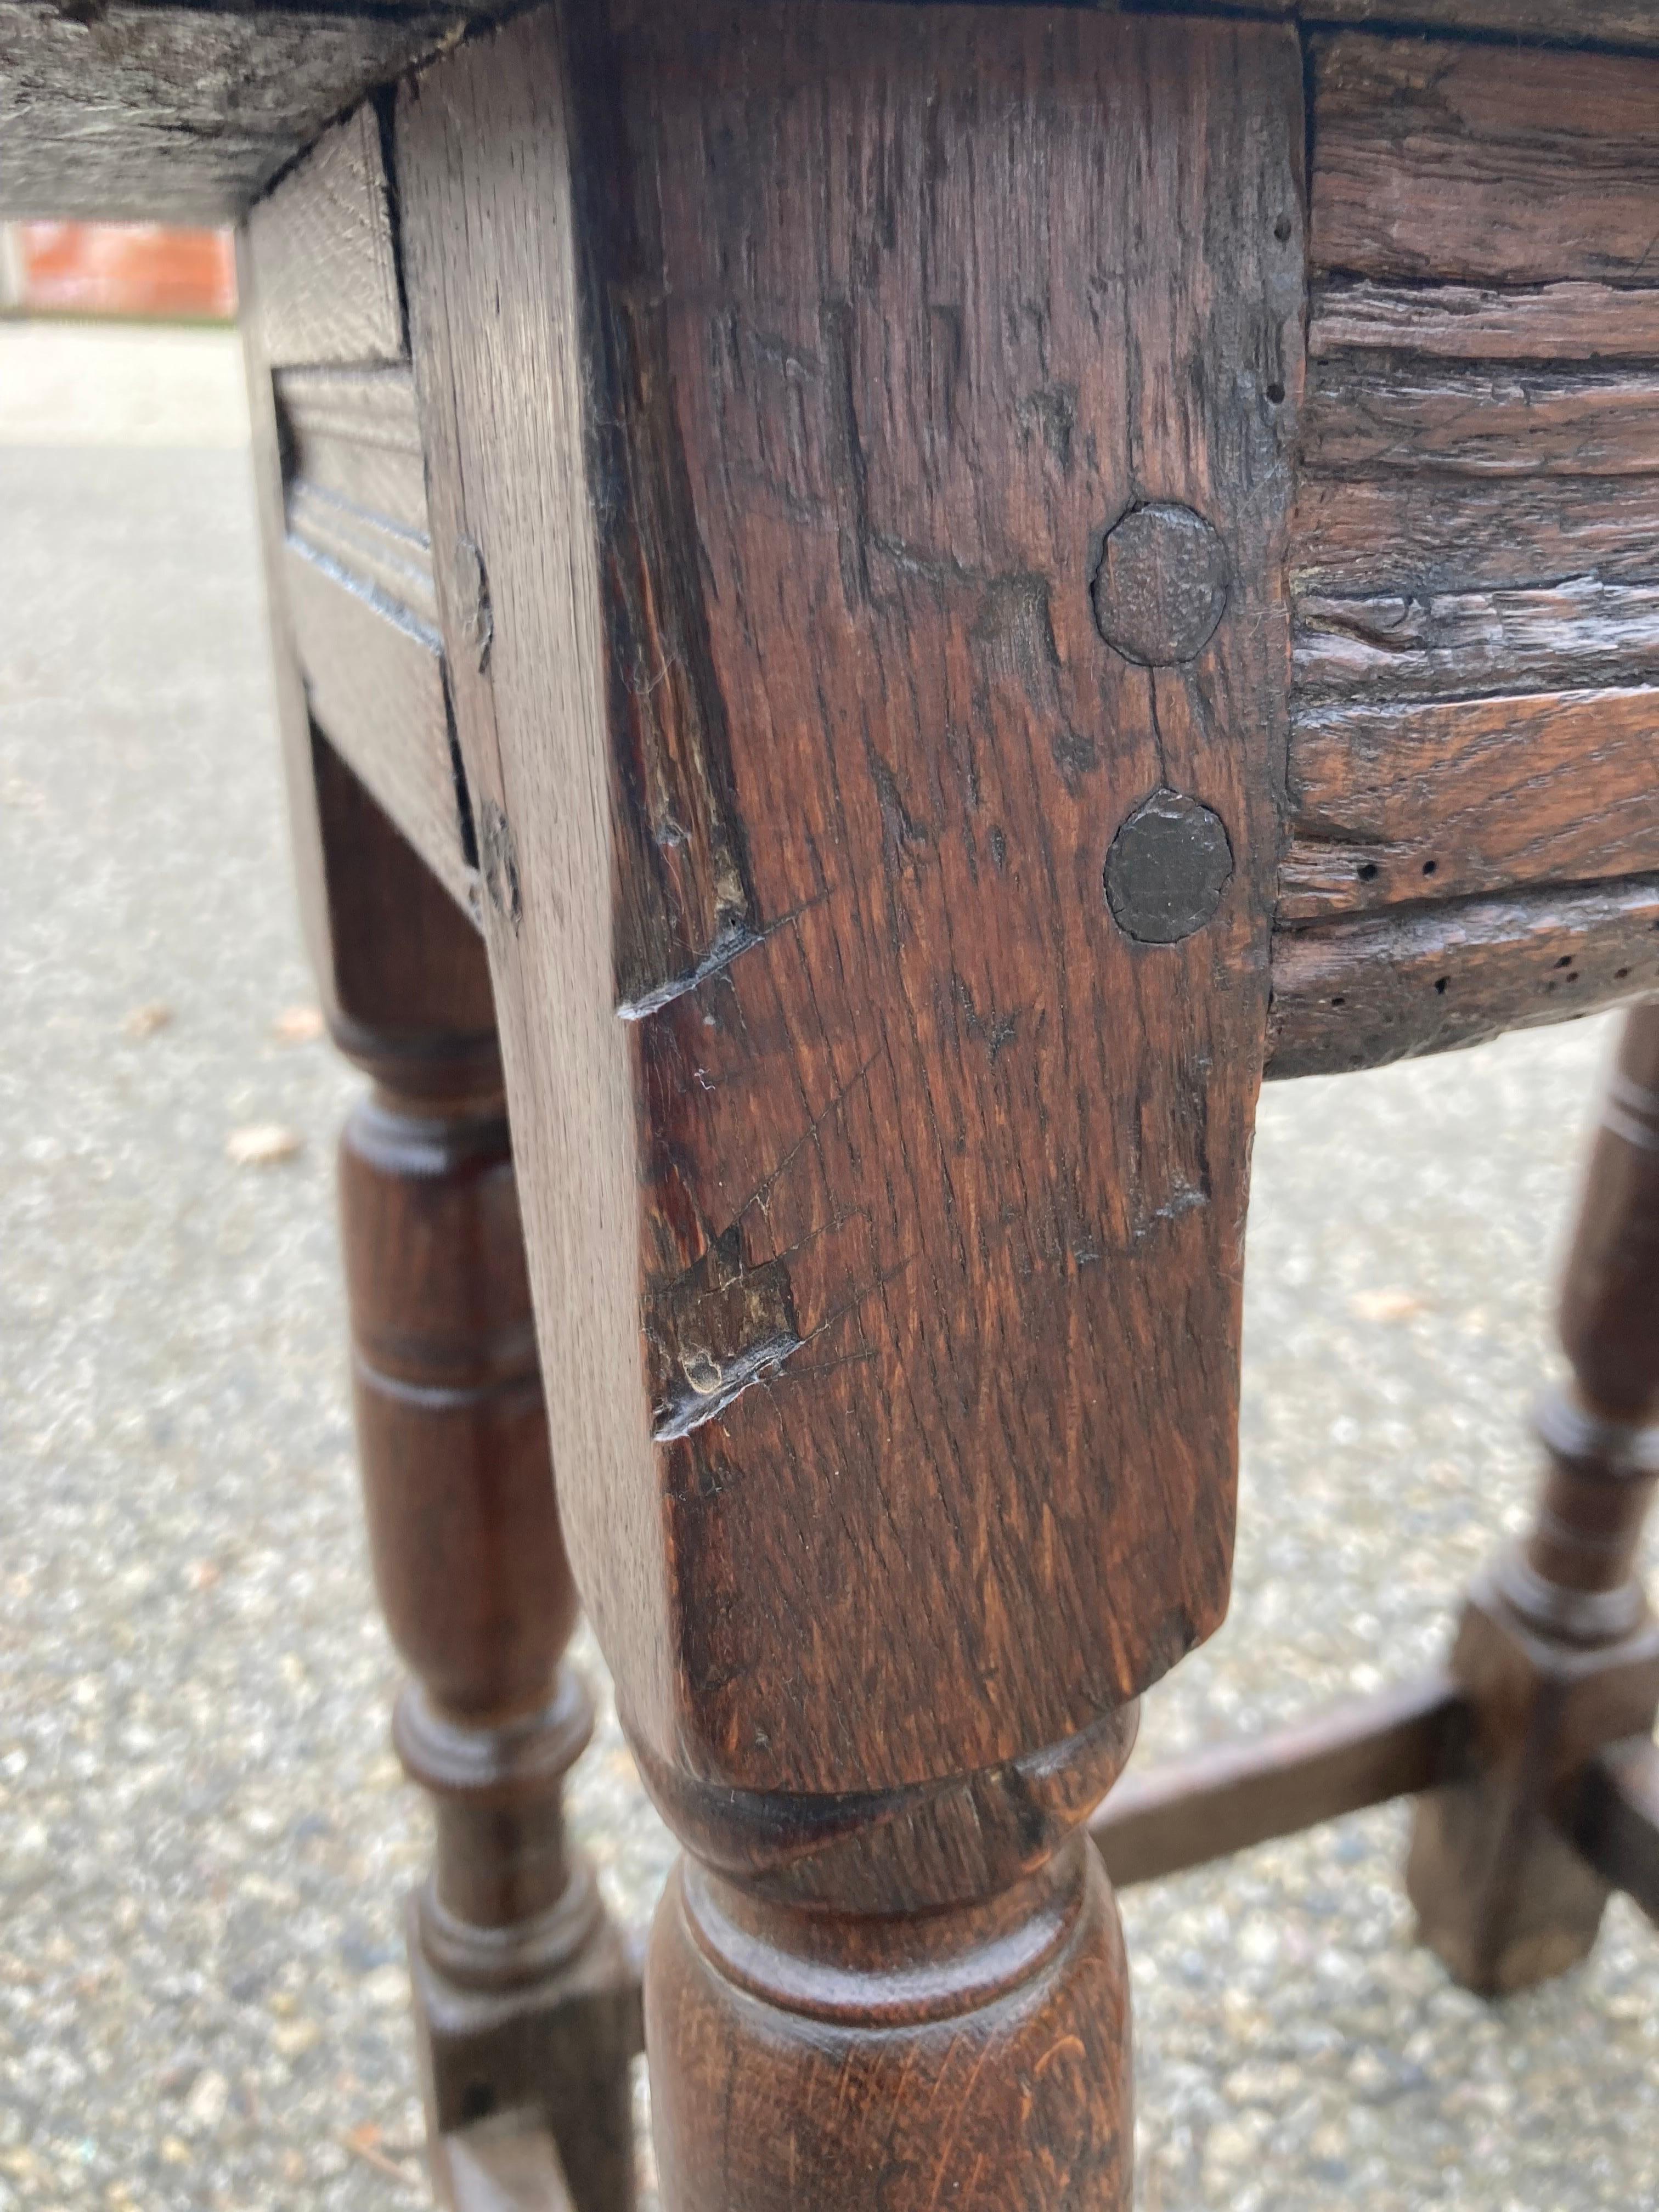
203, 1831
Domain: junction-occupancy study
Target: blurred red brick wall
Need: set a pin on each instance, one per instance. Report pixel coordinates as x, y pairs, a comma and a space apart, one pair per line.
120, 269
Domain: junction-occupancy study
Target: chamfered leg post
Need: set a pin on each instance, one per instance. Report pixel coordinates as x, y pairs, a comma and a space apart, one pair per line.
857, 445
1557, 1652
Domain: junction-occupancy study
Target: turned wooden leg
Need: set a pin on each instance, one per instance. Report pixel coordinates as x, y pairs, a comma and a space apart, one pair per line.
918, 1997
1558, 1652
525, 2002
523, 1997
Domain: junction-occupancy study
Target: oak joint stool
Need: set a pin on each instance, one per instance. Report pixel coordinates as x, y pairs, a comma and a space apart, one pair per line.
878, 607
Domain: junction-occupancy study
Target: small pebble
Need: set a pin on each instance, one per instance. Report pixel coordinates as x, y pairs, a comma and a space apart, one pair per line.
298, 1025
262, 1144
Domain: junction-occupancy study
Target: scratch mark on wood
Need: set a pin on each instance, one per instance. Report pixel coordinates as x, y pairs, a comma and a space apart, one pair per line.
714, 1333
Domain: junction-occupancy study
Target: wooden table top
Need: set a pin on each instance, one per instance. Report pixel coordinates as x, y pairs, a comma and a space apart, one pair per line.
155, 109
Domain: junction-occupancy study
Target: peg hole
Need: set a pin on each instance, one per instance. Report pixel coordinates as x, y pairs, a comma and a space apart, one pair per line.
1430, 867
1368, 873
1441, 982
478, 2101
1620, 973
1282, 230
1276, 393
1339, 1001
1565, 961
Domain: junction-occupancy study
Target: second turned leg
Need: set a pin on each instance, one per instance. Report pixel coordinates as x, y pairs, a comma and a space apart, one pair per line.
527, 2004
1558, 1651
524, 1996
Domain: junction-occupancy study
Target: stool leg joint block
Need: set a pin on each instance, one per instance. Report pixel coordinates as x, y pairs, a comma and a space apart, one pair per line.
554, 2049
1614, 1820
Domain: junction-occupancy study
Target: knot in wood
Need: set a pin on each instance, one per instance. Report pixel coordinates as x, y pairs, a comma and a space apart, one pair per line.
1167, 868
1161, 586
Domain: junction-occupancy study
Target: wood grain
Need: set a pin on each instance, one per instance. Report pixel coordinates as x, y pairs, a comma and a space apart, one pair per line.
1436, 799
1230, 1797
1628, 23
1633, 23
1422, 534
1362, 420
328, 271
1449, 644
1371, 989
166, 111
1476, 588
1564, 322
1482, 164
867, 753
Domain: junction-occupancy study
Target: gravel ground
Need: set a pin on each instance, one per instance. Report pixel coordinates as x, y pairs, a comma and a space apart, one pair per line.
205, 1833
